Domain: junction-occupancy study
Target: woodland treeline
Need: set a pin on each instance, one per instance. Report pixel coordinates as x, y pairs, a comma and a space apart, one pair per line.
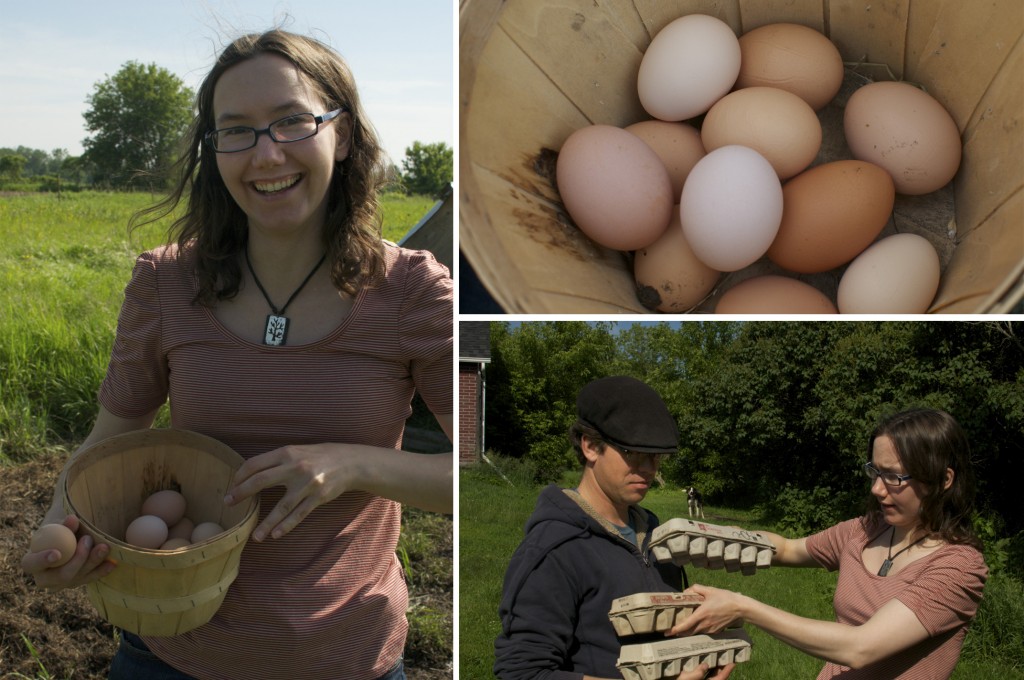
774, 415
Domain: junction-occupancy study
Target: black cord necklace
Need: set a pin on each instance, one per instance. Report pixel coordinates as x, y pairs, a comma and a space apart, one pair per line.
887, 564
276, 330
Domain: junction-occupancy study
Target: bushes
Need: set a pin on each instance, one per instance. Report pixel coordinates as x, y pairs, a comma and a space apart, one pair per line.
796, 512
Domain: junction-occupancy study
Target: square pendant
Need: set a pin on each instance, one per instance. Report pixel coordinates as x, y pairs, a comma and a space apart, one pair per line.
276, 331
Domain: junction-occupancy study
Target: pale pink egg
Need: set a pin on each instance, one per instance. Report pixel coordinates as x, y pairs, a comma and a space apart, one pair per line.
147, 531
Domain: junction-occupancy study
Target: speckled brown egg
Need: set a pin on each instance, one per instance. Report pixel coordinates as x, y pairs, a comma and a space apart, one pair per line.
669, 277
906, 131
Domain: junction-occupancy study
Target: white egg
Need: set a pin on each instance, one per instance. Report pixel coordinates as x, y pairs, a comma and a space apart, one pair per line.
690, 64
731, 207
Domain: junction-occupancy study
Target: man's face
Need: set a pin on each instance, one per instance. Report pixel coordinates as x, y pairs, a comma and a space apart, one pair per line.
624, 477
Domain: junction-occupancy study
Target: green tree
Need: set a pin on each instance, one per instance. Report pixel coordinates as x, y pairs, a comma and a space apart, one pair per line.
428, 168
542, 366
11, 166
136, 118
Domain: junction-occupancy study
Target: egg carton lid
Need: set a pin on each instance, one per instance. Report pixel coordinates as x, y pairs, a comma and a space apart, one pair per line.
668, 658
654, 601
677, 526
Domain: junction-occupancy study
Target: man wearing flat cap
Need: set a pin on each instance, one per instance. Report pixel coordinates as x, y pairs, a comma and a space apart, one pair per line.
588, 546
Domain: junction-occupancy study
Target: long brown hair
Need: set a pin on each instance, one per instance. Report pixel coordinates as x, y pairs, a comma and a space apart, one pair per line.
929, 441
214, 229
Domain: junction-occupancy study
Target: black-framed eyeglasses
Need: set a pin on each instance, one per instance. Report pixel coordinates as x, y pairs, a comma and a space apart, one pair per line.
293, 128
889, 478
638, 458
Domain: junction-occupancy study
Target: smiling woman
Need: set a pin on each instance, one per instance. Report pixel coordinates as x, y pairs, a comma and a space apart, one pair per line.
287, 220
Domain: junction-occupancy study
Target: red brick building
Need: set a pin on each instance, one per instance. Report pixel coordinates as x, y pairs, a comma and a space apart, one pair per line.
474, 355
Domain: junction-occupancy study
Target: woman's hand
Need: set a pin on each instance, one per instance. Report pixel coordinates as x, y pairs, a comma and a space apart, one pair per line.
88, 564
720, 609
315, 474
312, 475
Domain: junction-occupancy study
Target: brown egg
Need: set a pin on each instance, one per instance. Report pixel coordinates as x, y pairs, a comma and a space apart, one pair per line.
669, 277
183, 529
830, 214
775, 123
774, 295
906, 131
168, 505
794, 58
175, 544
614, 187
678, 146
54, 537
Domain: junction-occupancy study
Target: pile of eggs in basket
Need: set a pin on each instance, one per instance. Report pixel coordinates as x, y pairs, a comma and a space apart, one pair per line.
693, 204
163, 524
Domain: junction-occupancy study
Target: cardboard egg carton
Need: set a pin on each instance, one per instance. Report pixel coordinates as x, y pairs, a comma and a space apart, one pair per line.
684, 541
669, 658
651, 612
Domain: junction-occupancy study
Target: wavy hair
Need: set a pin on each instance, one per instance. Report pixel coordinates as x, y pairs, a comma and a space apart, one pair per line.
929, 441
214, 229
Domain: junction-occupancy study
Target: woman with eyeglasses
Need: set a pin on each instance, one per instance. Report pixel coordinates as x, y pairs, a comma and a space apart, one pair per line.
911, 572
282, 324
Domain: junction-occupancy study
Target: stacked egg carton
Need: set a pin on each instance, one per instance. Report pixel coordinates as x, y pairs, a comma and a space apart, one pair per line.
669, 658
683, 541
651, 612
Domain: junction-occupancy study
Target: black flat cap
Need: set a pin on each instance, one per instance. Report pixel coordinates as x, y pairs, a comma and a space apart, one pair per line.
629, 414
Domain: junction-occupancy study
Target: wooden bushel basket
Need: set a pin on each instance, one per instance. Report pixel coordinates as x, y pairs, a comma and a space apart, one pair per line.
533, 71
159, 592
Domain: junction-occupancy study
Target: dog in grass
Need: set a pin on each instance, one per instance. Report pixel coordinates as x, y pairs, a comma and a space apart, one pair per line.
695, 503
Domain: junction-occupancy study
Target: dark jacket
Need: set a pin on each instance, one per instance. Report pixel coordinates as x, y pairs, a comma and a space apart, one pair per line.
559, 587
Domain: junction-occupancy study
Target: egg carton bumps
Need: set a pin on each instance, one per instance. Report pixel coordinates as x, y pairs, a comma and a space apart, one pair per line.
651, 612
684, 541
669, 658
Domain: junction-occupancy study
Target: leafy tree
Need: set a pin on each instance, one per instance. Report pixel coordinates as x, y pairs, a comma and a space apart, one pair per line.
428, 168
775, 414
136, 118
543, 366
11, 166
38, 162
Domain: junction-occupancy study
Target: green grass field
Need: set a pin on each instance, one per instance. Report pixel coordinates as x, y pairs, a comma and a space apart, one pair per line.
491, 519
64, 262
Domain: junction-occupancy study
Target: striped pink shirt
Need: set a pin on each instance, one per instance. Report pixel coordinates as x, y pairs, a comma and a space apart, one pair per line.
943, 590
327, 600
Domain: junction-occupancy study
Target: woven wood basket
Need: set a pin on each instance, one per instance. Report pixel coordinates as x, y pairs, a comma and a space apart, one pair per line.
533, 71
159, 592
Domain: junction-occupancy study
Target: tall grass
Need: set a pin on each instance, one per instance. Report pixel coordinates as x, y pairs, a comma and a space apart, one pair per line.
492, 514
64, 262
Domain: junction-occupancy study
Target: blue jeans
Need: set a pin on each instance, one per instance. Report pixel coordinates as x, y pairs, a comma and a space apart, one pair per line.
134, 661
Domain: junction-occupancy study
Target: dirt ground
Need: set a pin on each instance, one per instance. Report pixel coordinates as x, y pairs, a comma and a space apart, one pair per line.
71, 640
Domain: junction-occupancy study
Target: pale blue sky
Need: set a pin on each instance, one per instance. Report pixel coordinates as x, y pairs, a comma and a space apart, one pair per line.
52, 54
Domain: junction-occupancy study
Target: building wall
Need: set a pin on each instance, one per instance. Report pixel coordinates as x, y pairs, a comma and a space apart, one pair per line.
469, 413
